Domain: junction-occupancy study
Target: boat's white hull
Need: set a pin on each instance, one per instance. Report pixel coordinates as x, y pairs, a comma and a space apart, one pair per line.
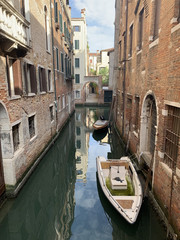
130, 213
100, 124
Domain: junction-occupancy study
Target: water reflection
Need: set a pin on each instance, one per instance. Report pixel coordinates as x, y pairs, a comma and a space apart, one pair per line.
84, 119
44, 208
62, 199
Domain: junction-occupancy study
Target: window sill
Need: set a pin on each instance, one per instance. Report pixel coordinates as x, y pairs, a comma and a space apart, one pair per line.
33, 139
42, 93
15, 97
135, 134
19, 151
31, 94
154, 43
175, 28
51, 91
48, 51
139, 51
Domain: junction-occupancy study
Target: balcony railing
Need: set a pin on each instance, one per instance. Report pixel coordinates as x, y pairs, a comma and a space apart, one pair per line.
14, 28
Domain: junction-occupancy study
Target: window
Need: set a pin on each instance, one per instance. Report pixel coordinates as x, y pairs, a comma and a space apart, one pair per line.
50, 83
76, 62
76, 44
130, 40
136, 113
66, 66
51, 113
31, 121
140, 36
78, 160
78, 131
120, 51
177, 9
56, 11
57, 59
62, 62
47, 32
15, 133
77, 78
156, 19
13, 69
22, 6
30, 82
76, 28
78, 144
172, 137
78, 116
77, 94
59, 103
42, 79
60, 22
63, 102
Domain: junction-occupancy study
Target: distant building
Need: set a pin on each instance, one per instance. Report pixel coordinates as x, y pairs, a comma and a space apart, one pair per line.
147, 108
80, 54
103, 62
94, 58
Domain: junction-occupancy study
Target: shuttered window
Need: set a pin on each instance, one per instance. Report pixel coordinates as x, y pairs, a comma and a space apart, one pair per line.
56, 11
77, 63
30, 81
77, 78
60, 22
76, 44
62, 62
14, 76
42, 79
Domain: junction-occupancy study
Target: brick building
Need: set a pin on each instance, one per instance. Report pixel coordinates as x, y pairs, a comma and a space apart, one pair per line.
32, 107
147, 71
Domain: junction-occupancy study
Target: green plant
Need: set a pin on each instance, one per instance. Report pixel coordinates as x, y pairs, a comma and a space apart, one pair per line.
121, 192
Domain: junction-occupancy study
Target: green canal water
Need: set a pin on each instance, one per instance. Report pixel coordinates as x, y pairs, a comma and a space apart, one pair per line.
62, 199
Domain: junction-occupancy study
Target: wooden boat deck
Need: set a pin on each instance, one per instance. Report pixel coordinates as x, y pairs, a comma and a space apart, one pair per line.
126, 204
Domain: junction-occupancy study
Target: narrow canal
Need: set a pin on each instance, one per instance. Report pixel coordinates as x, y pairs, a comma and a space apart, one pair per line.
62, 199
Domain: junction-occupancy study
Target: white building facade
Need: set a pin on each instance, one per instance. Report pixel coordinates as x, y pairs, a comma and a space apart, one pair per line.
80, 55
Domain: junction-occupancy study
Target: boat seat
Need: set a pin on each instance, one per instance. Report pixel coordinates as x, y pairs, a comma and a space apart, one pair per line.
118, 177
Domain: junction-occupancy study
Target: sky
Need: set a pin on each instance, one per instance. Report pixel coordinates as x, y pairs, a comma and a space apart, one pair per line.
100, 17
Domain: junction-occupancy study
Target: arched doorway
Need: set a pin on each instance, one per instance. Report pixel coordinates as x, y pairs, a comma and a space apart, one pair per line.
148, 128
5, 143
91, 92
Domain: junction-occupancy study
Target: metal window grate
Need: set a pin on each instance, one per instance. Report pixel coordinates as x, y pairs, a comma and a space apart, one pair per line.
172, 137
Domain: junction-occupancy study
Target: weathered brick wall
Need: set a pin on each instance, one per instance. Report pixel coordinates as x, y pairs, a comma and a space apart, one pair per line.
18, 109
154, 70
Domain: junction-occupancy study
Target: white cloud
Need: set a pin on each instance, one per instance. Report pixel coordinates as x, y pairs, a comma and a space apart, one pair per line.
100, 38
99, 11
100, 16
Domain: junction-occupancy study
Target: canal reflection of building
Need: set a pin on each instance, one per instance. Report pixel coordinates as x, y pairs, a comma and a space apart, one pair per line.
84, 119
82, 144
45, 208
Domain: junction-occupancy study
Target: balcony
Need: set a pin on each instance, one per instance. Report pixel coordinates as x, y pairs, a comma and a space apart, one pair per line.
14, 30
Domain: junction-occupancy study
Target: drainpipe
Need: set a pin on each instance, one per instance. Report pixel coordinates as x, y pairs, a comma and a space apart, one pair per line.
124, 69
52, 35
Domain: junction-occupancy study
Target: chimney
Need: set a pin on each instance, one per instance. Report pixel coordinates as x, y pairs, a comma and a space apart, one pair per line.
83, 13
